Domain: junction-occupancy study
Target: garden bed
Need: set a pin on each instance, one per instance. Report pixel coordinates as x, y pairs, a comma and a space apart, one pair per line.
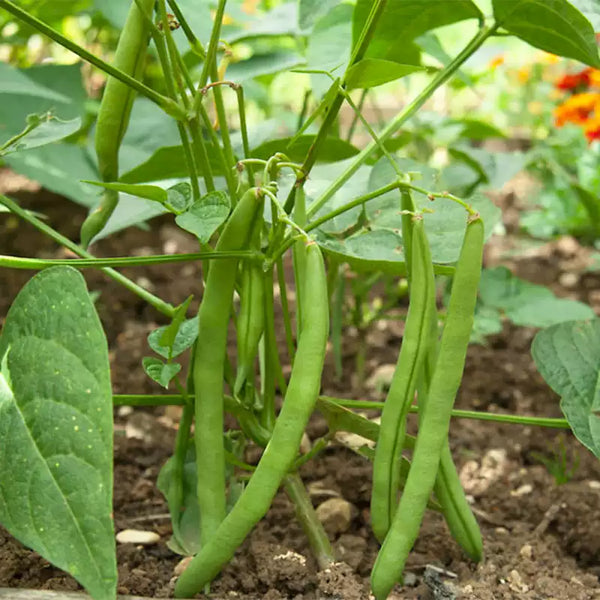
540, 537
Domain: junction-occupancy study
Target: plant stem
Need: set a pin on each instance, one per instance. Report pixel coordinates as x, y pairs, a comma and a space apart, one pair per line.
355, 118
403, 116
332, 113
313, 528
36, 264
177, 400
167, 104
287, 319
239, 90
195, 43
159, 304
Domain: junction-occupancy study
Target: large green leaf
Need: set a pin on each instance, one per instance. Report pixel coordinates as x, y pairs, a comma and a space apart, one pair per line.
165, 163
264, 64
310, 11
56, 429
525, 303
553, 25
59, 168
205, 215
376, 244
404, 20
56, 89
568, 357
371, 72
332, 149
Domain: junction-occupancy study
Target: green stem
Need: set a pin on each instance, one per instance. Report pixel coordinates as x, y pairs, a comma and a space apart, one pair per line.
178, 400
313, 528
239, 90
285, 307
35, 264
403, 116
194, 42
159, 304
357, 113
332, 114
16, 138
167, 104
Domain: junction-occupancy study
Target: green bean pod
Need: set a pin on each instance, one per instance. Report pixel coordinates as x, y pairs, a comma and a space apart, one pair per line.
448, 490
282, 449
209, 363
433, 428
250, 321
115, 110
415, 344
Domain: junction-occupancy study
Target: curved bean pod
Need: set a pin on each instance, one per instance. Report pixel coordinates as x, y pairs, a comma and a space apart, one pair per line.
282, 449
209, 363
115, 109
433, 429
415, 344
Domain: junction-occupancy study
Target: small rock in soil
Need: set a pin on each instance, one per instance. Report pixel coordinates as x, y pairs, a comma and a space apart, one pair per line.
137, 536
336, 514
350, 549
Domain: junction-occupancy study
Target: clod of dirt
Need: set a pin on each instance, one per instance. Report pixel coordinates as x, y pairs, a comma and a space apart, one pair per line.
280, 568
137, 536
336, 514
477, 479
350, 549
340, 582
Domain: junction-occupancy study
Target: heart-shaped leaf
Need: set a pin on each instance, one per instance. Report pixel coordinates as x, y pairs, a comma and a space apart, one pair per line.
568, 357
159, 371
206, 215
56, 429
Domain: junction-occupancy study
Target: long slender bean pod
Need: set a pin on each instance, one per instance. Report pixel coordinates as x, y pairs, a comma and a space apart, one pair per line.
115, 110
282, 449
415, 344
251, 318
448, 490
209, 364
433, 429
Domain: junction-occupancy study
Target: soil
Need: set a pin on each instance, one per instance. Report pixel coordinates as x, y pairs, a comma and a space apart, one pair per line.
541, 539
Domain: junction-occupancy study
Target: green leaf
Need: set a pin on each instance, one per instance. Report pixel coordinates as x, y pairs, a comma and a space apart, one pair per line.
527, 304
169, 335
175, 199
58, 168
555, 26
332, 150
404, 20
46, 131
206, 215
280, 21
185, 337
186, 523
371, 72
310, 11
47, 89
264, 64
568, 357
56, 429
167, 162
159, 371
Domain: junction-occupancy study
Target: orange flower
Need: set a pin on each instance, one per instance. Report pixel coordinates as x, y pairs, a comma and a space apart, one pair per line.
572, 81
577, 109
592, 128
595, 78
523, 74
496, 62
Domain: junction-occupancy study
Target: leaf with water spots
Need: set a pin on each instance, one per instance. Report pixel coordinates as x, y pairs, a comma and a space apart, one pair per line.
56, 429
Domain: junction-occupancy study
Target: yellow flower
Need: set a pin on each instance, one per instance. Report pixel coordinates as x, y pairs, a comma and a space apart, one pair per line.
496, 62
535, 107
523, 74
250, 6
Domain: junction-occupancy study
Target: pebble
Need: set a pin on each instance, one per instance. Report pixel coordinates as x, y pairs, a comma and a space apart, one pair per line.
336, 514
523, 490
137, 536
594, 485
181, 566
526, 551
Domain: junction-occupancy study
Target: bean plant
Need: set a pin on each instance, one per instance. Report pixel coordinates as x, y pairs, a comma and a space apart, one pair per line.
250, 206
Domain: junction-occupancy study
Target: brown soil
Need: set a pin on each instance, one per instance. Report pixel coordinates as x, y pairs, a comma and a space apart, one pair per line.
541, 539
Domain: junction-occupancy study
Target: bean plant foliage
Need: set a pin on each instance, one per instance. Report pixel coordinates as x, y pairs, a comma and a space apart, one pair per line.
176, 132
